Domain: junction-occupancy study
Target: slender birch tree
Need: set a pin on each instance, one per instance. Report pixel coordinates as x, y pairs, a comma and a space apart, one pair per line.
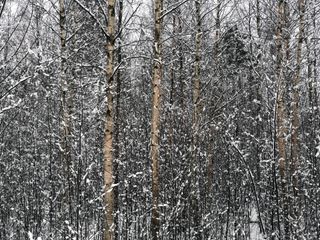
155, 118
108, 135
117, 119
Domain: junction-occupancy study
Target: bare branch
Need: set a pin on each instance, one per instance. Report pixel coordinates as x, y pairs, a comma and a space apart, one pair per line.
92, 16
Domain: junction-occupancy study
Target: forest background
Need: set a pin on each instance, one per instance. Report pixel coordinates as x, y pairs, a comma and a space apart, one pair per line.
164, 119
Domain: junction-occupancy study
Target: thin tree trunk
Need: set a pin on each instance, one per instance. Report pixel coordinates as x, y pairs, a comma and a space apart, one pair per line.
315, 74
155, 119
117, 126
280, 116
258, 18
296, 92
281, 125
64, 85
172, 87
295, 148
197, 79
212, 132
217, 29
3, 4
181, 63
196, 120
108, 135
66, 104
171, 121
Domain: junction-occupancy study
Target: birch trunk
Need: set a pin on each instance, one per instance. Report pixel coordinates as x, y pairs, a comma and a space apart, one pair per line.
108, 135
117, 125
155, 119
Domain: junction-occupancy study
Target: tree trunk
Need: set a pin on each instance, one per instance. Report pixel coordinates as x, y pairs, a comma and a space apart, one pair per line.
296, 92
108, 135
217, 29
66, 104
2, 6
258, 18
295, 148
155, 119
280, 111
64, 85
196, 122
117, 126
281, 116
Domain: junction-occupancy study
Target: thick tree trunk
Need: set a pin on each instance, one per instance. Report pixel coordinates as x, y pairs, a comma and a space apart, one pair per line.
108, 135
155, 119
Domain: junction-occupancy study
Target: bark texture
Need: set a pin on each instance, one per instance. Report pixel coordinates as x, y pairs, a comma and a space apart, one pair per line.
155, 119
280, 107
117, 125
108, 136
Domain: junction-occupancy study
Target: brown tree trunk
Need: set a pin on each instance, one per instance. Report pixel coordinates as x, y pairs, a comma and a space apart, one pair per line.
282, 43
117, 125
155, 119
108, 135
280, 108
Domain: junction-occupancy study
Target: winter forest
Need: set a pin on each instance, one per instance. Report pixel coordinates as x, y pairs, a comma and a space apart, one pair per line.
159, 119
